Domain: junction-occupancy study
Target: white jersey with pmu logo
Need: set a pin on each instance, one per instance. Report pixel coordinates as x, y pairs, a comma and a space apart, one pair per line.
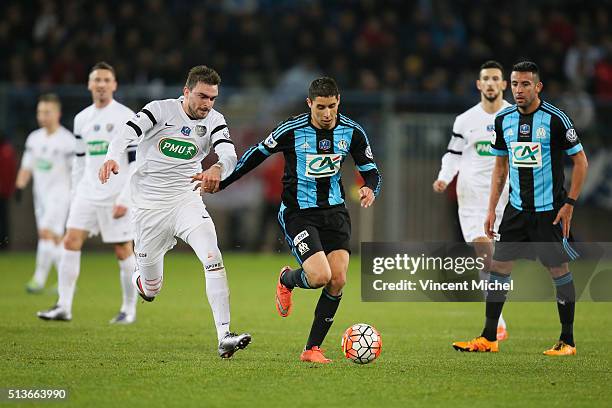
94, 129
170, 150
469, 153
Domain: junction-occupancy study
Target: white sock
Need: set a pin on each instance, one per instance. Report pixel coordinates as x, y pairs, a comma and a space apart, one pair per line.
67, 275
203, 240
217, 291
57, 254
126, 269
44, 261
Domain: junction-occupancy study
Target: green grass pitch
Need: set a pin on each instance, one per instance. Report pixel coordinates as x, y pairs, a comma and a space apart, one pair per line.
168, 357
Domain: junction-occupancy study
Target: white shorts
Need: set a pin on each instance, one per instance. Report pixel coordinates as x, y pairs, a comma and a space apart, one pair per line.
472, 222
156, 229
51, 213
86, 215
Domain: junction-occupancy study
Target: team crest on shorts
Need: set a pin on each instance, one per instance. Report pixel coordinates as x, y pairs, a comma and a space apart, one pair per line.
200, 130
324, 144
303, 248
186, 130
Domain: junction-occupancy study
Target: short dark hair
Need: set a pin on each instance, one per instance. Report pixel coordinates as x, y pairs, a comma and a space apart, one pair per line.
50, 98
202, 73
324, 86
527, 66
103, 65
491, 64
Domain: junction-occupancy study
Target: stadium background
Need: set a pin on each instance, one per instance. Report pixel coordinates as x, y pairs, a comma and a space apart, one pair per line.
405, 69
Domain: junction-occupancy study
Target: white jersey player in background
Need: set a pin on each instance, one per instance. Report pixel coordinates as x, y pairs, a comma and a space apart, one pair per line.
97, 208
469, 155
175, 135
47, 159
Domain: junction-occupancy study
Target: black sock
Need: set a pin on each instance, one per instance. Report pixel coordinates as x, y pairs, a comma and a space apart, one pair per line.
323, 318
296, 277
495, 304
566, 305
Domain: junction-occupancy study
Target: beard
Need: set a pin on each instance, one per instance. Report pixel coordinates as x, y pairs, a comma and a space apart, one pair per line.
491, 98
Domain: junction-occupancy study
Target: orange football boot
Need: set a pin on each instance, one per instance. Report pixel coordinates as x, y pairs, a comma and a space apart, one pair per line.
479, 344
314, 355
561, 349
283, 295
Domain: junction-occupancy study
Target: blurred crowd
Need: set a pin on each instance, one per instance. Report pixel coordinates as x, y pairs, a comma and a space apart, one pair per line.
421, 46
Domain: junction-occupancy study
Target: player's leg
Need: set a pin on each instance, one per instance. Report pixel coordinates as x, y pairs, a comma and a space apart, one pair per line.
483, 247
154, 237
119, 232
335, 234
127, 266
305, 244
566, 306
67, 275
555, 252
329, 300
45, 253
196, 228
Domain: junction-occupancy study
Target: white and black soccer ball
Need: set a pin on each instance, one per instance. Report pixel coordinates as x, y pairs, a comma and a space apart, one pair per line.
361, 343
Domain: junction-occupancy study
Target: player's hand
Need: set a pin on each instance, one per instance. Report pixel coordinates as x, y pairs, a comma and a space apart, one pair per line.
119, 211
209, 180
489, 225
366, 196
564, 216
106, 169
439, 186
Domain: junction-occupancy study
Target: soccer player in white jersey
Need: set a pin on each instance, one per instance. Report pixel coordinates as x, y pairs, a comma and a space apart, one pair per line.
175, 135
47, 159
97, 208
469, 155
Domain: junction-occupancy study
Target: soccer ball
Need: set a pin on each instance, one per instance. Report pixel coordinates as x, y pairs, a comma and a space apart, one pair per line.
361, 343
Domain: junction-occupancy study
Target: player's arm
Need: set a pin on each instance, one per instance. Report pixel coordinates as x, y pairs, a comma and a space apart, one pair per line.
224, 148
25, 170
570, 143
123, 201
361, 151
450, 160
498, 178
134, 129
255, 155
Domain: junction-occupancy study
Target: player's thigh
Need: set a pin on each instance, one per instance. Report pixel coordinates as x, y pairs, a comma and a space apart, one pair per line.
552, 249
513, 238
472, 223
335, 230
83, 216
301, 234
114, 230
317, 269
154, 234
51, 214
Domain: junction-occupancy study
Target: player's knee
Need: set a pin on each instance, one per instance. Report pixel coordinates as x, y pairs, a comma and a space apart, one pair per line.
123, 251
319, 277
73, 242
336, 283
213, 264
